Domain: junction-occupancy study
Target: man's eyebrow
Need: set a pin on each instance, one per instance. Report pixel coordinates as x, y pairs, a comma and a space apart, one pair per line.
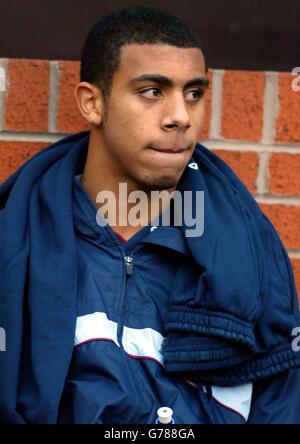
165, 81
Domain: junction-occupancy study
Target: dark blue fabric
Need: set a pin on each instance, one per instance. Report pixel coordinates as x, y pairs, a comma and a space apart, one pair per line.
245, 301
125, 381
122, 382
234, 326
276, 400
38, 280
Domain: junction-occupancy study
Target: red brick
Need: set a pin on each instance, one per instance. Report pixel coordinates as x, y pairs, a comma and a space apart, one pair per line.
14, 154
288, 122
205, 130
27, 96
244, 164
296, 269
286, 220
69, 119
242, 108
284, 174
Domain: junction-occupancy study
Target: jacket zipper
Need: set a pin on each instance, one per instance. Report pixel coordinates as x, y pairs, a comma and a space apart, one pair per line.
128, 265
128, 270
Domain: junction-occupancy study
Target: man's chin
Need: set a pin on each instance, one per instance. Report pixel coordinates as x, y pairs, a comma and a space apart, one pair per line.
160, 183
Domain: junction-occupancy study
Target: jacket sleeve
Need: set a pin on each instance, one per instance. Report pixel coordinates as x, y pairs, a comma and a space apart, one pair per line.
276, 400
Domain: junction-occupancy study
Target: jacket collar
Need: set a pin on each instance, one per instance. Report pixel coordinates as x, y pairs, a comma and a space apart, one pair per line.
84, 216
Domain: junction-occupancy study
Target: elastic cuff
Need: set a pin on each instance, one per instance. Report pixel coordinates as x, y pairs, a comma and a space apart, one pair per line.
281, 359
182, 350
211, 323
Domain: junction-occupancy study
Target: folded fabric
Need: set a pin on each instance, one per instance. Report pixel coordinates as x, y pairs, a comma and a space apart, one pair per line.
234, 326
237, 324
38, 281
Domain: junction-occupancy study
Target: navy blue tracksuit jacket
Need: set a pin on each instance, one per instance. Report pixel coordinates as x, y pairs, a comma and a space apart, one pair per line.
117, 372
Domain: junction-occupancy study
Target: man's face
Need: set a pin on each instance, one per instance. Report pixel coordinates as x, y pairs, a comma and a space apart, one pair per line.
154, 115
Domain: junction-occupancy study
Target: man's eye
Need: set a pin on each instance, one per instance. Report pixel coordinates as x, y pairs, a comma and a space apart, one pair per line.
151, 93
194, 95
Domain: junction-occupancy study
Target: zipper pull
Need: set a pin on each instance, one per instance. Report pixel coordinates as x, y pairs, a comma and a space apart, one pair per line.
128, 263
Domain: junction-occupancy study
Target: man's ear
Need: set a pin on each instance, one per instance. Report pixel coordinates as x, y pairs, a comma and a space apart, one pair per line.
90, 102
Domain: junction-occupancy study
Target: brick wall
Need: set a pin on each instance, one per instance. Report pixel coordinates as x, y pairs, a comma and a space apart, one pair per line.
252, 122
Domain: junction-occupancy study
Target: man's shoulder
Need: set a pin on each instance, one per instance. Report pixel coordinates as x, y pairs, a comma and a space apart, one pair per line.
218, 167
214, 161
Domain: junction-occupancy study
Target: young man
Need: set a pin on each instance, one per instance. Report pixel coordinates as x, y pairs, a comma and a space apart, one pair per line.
106, 321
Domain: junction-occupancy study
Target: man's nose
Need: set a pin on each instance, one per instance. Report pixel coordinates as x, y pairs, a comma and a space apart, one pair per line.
176, 114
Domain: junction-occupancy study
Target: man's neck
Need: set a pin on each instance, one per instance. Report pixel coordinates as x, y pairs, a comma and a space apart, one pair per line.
99, 176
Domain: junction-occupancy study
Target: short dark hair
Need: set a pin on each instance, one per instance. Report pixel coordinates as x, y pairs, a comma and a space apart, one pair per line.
135, 24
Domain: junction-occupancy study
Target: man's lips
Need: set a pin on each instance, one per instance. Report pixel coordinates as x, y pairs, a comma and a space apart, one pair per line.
172, 150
